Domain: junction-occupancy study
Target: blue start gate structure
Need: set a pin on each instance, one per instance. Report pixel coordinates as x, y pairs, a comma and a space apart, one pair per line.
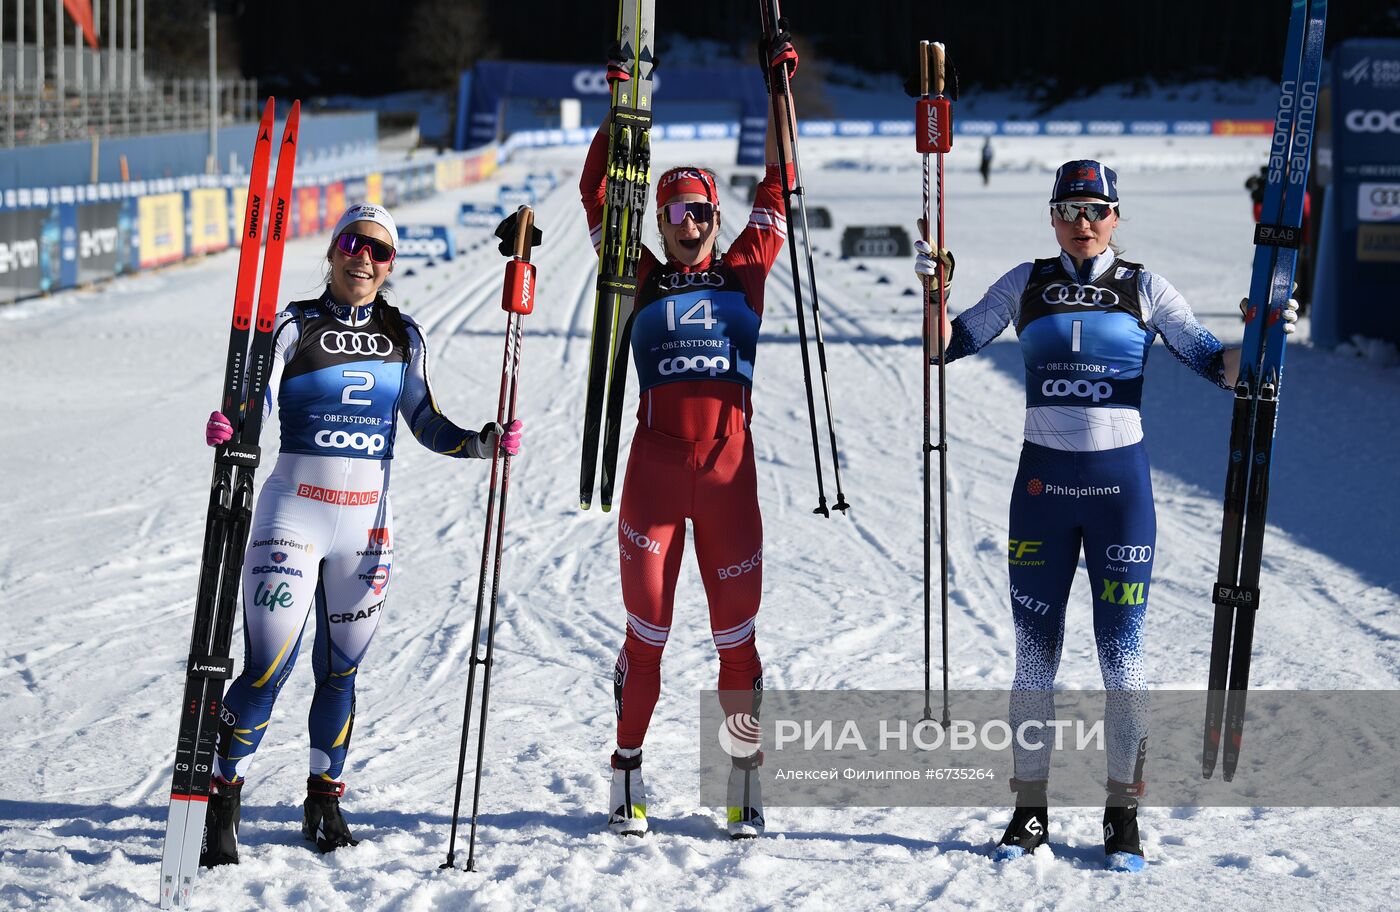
484, 90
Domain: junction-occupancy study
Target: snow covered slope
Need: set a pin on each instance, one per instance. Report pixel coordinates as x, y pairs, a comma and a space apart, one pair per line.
105, 392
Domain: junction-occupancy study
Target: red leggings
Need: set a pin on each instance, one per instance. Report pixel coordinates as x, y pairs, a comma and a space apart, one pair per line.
714, 484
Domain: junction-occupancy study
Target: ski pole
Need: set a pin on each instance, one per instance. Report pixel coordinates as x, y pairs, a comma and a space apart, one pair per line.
518, 300
934, 134
780, 93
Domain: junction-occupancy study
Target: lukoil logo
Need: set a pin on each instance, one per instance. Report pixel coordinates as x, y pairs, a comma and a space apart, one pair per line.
714, 366
1359, 121
740, 735
638, 539
341, 440
1097, 390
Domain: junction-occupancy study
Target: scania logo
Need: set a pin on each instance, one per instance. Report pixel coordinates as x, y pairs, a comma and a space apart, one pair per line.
591, 82
1079, 295
679, 280
1129, 554
1373, 121
1098, 390
341, 440
715, 366
353, 343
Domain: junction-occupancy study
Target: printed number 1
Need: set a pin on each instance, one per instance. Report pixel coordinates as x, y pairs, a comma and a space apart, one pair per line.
365, 386
1075, 334
689, 318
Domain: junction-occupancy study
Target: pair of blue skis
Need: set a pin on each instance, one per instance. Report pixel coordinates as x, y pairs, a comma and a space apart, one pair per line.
1277, 239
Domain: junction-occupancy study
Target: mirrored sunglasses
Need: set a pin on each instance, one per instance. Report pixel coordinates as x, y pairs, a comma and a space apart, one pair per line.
1071, 211
676, 212
351, 244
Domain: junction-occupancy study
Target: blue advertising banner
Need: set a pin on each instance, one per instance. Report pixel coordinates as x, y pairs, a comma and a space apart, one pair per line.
1359, 255
432, 242
483, 90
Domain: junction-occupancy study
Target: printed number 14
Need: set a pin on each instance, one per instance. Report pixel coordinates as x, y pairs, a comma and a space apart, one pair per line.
689, 318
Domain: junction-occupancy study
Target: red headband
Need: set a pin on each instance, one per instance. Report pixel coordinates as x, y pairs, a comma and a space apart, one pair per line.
685, 180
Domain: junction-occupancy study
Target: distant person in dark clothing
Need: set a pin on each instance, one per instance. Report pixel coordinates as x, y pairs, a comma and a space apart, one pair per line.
987, 155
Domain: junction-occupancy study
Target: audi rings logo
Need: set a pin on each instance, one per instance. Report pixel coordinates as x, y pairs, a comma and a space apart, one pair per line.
680, 280
1098, 390
1385, 196
1129, 554
591, 82
715, 366
353, 343
1079, 295
1373, 121
343, 440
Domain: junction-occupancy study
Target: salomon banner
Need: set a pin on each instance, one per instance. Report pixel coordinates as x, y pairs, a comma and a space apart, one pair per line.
99, 241
1359, 256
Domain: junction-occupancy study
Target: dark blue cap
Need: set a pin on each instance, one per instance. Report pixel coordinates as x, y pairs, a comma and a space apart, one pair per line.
1085, 178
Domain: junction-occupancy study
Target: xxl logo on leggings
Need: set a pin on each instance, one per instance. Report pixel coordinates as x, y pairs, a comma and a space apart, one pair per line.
1118, 593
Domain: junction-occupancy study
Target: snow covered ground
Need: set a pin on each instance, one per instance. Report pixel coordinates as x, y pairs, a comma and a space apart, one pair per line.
105, 392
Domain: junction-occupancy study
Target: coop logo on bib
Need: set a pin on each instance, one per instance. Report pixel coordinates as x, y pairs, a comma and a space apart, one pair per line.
347, 440
695, 364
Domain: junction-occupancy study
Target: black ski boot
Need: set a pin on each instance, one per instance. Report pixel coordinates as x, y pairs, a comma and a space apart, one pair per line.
220, 845
322, 821
1122, 847
1030, 824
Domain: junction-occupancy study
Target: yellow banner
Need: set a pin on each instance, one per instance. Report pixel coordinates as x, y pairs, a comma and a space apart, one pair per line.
160, 220
374, 188
209, 217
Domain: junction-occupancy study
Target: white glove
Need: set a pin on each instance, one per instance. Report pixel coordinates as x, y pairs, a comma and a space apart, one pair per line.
926, 262
1290, 313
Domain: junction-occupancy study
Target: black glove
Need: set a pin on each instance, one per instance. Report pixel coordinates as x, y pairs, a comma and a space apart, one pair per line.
775, 51
617, 67
506, 232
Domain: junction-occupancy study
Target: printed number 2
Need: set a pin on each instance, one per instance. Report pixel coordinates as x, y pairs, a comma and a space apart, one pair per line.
365, 386
689, 318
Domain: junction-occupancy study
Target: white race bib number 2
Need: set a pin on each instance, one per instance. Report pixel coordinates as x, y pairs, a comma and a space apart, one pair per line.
367, 384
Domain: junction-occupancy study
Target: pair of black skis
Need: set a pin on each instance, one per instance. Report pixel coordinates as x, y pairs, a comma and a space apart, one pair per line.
230, 508
1277, 238
620, 252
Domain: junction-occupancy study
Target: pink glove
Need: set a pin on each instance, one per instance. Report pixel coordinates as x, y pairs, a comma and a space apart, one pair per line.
510, 440
218, 430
